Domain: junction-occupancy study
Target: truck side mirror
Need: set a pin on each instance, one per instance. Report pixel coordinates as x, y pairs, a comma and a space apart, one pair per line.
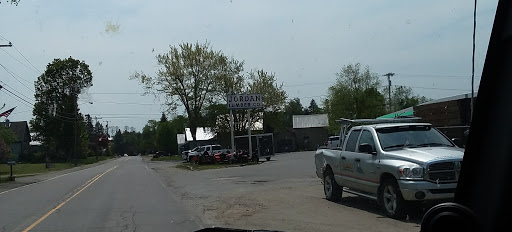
366, 148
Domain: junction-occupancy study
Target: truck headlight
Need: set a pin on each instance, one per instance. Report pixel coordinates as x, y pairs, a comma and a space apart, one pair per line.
410, 172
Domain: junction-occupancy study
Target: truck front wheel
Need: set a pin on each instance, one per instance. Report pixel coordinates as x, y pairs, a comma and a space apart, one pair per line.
331, 189
391, 200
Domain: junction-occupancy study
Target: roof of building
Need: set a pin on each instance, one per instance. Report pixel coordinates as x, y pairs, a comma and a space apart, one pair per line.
310, 121
20, 129
445, 99
408, 112
202, 133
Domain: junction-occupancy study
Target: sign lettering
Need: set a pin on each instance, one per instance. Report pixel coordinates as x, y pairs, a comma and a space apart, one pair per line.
244, 101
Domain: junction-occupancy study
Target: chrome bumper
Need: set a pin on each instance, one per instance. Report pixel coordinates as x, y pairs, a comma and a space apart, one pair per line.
431, 190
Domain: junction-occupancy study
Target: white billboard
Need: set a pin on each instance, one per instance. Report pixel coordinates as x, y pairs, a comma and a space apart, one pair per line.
309, 121
181, 138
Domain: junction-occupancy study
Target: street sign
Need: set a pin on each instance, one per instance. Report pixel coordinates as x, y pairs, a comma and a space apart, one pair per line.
11, 163
244, 101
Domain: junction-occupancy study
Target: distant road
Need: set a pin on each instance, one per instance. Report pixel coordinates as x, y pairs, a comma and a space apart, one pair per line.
120, 195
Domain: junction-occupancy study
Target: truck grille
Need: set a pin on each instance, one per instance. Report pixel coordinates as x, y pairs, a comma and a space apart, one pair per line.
443, 172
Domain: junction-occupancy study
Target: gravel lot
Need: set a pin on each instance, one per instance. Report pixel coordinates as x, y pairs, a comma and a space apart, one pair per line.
282, 194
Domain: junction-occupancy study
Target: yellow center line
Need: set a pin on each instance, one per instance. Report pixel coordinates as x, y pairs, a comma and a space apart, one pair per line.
87, 184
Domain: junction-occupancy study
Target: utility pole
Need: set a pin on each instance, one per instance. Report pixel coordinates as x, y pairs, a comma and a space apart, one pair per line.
75, 128
389, 75
107, 127
96, 122
6, 45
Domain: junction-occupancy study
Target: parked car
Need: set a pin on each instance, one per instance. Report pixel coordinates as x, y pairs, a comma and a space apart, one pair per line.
207, 153
333, 141
396, 164
162, 153
184, 154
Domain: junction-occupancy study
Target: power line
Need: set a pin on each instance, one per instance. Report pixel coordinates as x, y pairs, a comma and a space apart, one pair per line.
5, 84
13, 75
126, 103
21, 112
4, 38
434, 76
127, 114
32, 69
107, 93
26, 59
17, 98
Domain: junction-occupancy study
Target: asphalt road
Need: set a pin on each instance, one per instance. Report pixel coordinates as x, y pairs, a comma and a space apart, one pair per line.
282, 194
120, 195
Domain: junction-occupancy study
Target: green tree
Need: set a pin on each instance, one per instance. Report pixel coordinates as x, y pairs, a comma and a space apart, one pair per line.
166, 138
403, 97
192, 75
56, 113
313, 108
148, 139
294, 107
118, 143
354, 95
163, 118
180, 122
216, 116
6, 138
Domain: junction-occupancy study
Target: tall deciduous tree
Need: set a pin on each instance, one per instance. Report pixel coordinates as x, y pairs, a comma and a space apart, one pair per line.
354, 95
216, 116
191, 74
56, 113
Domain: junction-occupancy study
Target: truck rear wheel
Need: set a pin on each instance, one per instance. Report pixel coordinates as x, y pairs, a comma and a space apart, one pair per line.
391, 200
332, 190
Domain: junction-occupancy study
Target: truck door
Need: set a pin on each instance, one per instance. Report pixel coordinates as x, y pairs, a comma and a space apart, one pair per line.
347, 160
365, 165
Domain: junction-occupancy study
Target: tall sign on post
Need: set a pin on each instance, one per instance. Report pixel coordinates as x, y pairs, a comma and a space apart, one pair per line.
243, 101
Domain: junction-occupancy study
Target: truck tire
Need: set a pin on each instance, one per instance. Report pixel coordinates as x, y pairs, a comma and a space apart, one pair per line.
391, 200
268, 158
332, 190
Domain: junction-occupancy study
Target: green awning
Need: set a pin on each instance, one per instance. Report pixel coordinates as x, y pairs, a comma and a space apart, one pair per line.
409, 113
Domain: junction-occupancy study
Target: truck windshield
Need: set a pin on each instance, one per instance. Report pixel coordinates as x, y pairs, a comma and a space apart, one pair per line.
411, 136
216, 147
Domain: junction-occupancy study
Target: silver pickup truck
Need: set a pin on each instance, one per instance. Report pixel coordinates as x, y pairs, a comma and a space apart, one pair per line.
393, 162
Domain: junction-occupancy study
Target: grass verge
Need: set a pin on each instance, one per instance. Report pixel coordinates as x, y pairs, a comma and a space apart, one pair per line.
167, 158
197, 167
20, 170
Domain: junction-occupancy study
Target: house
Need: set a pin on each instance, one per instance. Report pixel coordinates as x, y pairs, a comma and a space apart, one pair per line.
21, 146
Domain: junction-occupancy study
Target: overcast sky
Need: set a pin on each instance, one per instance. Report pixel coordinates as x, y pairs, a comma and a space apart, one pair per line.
426, 43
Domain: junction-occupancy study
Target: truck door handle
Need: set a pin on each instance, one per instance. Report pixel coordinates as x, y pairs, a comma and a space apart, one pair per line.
358, 160
343, 157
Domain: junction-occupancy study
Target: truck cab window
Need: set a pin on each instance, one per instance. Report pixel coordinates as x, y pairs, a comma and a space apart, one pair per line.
352, 140
366, 137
